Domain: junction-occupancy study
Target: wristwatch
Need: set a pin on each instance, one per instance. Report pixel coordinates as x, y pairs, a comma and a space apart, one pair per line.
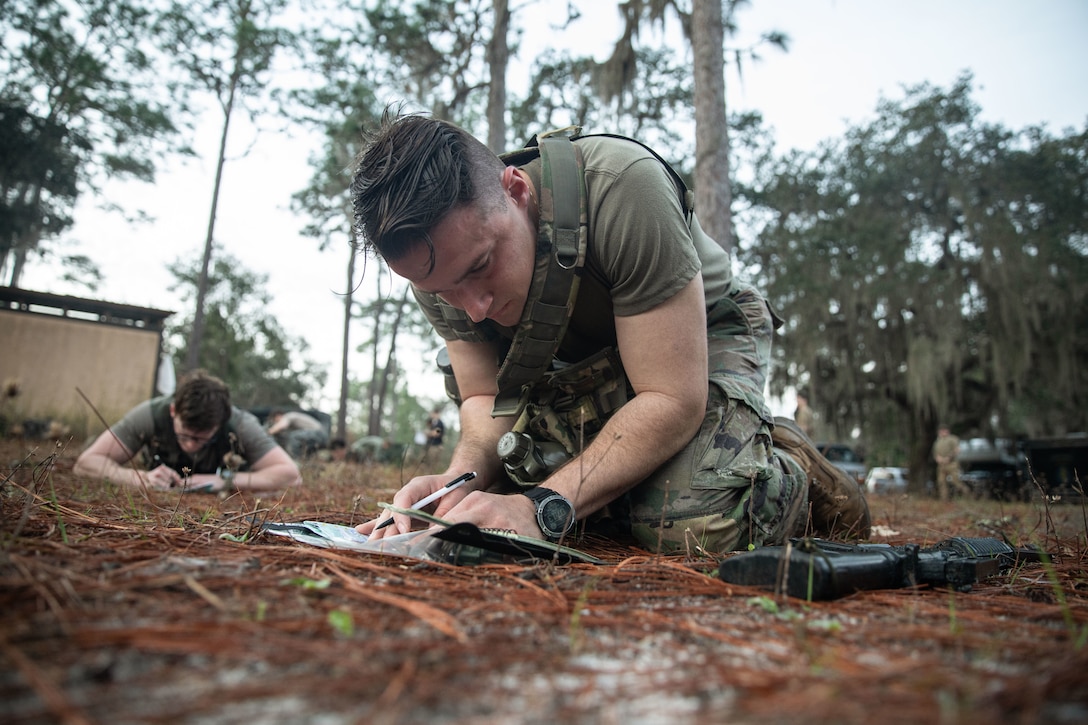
554, 512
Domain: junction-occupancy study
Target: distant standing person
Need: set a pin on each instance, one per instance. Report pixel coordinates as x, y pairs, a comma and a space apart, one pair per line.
435, 432
194, 438
803, 416
300, 434
946, 453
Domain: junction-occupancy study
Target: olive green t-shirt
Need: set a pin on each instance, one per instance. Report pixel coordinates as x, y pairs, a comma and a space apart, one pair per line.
243, 435
641, 250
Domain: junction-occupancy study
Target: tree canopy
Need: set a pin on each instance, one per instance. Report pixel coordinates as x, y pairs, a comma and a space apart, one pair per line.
928, 265
927, 268
82, 99
244, 344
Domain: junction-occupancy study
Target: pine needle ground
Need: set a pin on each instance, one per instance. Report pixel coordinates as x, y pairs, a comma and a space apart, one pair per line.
126, 606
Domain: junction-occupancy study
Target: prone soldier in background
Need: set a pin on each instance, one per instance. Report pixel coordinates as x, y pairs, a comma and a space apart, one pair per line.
606, 362
193, 440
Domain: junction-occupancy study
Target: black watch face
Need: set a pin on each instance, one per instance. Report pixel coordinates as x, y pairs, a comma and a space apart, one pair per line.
555, 515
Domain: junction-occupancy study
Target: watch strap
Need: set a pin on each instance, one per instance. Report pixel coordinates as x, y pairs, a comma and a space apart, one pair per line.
541, 496
539, 493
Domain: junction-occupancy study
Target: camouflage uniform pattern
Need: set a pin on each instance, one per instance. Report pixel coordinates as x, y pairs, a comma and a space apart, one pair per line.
571, 405
729, 487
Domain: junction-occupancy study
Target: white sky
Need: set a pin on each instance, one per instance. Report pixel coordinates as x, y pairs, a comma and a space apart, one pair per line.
1029, 61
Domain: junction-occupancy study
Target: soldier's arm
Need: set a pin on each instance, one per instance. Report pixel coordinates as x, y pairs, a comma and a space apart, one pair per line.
664, 352
475, 365
274, 471
108, 459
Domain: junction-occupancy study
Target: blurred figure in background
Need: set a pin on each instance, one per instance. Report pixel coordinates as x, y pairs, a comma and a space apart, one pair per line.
946, 453
803, 415
435, 432
301, 435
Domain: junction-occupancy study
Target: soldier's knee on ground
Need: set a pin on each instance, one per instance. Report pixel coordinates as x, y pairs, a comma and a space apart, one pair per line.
724, 491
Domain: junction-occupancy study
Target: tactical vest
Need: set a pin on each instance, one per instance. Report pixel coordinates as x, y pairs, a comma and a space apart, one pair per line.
562, 240
163, 446
560, 408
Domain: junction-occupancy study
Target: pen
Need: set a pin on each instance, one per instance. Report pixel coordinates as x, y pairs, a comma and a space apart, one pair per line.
428, 500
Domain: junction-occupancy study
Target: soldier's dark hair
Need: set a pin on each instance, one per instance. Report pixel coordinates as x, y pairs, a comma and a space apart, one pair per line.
412, 172
202, 401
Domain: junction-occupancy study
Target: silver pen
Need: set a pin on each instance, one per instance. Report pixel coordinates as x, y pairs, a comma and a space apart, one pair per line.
428, 500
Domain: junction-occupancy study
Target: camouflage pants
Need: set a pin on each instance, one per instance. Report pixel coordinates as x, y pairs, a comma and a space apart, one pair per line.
949, 481
729, 487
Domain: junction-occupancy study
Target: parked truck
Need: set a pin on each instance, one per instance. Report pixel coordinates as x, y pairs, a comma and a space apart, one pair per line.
1059, 465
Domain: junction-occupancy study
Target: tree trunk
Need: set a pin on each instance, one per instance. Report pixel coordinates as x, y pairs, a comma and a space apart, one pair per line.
342, 411
196, 336
498, 57
921, 441
31, 240
389, 371
713, 195
17, 264
373, 412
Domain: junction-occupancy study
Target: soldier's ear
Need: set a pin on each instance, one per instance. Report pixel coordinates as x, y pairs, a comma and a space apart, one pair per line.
517, 185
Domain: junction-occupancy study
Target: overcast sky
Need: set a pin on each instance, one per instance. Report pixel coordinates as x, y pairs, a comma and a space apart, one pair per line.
1028, 60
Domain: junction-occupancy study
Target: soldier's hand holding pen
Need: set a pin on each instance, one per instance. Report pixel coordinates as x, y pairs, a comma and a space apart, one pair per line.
161, 477
389, 523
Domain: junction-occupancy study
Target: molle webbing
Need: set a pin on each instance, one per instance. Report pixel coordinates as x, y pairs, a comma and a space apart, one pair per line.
561, 252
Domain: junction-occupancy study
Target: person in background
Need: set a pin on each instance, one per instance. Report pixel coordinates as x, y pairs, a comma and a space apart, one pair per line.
803, 415
435, 432
338, 450
193, 439
375, 449
300, 434
946, 454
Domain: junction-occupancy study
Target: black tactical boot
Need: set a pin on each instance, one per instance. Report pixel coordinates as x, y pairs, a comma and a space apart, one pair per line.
838, 507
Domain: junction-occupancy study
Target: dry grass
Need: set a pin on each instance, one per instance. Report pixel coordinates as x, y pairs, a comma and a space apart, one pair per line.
125, 607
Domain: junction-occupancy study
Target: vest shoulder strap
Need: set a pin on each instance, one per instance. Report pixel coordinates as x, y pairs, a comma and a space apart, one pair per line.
562, 239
